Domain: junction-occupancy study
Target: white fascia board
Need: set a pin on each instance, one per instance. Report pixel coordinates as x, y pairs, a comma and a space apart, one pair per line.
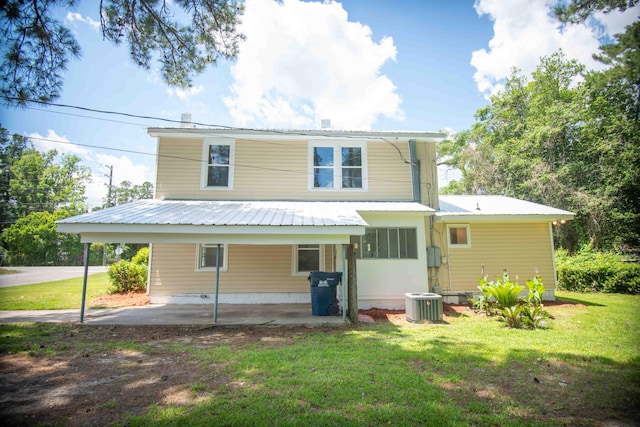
501, 218
256, 230
295, 135
243, 239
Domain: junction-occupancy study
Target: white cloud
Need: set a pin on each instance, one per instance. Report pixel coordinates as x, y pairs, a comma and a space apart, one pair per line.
184, 94
53, 141
76, 17
303, 62
615, 23
526, 30
123, 170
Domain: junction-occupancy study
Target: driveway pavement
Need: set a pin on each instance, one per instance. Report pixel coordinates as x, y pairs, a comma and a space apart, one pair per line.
31, 275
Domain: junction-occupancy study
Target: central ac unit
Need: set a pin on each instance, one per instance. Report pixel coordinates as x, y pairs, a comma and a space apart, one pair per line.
423, 307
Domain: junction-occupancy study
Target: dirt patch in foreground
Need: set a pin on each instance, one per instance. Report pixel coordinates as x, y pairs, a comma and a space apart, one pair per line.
82, 375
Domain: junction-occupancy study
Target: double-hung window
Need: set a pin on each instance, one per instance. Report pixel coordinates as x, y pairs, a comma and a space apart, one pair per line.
218, 158
307, 258
338, 166
207, 257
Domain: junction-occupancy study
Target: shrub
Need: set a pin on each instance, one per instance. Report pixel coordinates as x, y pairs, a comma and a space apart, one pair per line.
141, 257
503, 298
129, 276
506, 293
589, 271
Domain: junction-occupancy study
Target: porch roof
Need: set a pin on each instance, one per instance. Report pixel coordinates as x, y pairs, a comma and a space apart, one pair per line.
231, 221
493, 208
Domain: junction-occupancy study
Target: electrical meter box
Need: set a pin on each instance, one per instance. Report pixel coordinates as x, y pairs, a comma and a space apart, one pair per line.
433, 256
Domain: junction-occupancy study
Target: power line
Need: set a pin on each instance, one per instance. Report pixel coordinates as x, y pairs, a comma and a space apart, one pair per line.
202, 161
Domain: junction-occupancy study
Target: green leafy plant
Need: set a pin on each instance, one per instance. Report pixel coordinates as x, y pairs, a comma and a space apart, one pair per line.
534, 316
484, 302
591, 271
512, 315
129, 276
502, 297
506, 293
536, 290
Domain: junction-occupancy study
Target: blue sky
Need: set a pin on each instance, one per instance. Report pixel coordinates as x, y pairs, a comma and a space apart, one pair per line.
365, 64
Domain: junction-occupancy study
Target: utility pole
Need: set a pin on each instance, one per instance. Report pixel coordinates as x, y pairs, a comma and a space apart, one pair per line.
104, 245
110, 185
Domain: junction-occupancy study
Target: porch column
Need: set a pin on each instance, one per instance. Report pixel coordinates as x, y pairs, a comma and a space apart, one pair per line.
215, 300
84, 280
353, 284
345, 282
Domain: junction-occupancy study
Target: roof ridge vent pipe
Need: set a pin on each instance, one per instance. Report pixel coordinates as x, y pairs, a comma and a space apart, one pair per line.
415, 171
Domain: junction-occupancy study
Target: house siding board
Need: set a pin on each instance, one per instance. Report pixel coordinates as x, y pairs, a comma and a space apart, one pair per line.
178, 169
521, 248
251, 269
389, 175
276, 170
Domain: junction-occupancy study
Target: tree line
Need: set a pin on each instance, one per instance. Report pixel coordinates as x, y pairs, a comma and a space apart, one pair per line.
36, 190
564, 137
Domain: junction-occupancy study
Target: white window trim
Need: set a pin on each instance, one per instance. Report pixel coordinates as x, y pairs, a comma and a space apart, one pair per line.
225, 257
294, 263
206, 142
337, 168
457, 245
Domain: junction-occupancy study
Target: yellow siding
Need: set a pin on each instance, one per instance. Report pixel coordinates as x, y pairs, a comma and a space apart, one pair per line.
521, 248
275, 170
251, 269
178, 169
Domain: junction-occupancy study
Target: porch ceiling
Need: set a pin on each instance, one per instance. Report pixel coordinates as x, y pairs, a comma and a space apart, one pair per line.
219, 221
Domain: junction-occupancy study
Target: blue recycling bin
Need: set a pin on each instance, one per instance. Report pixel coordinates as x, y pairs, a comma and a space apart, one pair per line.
323, 292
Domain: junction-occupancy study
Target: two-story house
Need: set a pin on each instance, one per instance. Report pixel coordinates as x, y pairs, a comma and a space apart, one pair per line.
245, 215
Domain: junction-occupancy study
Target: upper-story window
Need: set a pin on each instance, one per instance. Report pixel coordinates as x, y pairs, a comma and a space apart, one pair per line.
217, 165
338, 166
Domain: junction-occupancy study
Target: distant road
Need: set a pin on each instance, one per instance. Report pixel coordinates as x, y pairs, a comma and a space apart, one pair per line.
31, 275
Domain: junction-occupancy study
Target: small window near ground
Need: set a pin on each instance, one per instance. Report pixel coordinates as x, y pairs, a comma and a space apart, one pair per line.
208, 256
306, 258
459, 236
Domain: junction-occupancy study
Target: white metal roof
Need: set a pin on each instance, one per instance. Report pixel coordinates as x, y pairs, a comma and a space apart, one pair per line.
230, 220
496, 207
293, 134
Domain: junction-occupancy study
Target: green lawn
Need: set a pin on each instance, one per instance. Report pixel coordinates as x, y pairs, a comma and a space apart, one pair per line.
61, 294
583, 370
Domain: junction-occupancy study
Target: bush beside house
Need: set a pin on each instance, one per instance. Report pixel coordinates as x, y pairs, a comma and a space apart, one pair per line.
589, 271
130, 276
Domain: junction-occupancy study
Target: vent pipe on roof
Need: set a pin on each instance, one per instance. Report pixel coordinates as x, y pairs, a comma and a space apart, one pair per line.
185, 121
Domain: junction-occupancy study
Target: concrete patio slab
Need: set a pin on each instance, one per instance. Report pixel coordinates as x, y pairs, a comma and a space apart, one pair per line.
181, 314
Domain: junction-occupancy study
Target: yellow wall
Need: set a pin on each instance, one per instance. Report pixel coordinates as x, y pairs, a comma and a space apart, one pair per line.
521, 248
275, 170
251, 269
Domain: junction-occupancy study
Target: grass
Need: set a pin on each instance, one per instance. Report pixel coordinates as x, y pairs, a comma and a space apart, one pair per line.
58, 295
583, 370
7, 271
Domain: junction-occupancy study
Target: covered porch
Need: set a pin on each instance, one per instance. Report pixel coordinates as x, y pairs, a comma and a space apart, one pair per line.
255, 223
